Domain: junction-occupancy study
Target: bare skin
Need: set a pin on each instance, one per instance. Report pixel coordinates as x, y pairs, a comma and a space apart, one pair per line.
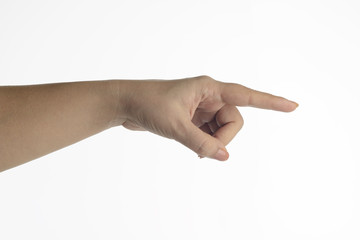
198, 112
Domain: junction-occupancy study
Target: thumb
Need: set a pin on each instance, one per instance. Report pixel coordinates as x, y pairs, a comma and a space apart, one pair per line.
202, 143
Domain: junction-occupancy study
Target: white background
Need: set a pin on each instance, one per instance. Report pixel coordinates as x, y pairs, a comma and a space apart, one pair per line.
289, 176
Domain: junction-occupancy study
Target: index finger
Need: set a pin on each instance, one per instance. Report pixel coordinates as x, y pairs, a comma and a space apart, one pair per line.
239, 95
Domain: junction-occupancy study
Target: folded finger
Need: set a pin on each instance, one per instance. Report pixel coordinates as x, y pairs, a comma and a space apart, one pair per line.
230, 121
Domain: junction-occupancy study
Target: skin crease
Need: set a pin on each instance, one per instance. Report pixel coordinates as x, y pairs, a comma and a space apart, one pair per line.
198, 112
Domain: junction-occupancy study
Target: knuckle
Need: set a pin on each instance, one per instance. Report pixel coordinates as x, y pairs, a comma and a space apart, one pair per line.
204, 78
239, 120
241, 123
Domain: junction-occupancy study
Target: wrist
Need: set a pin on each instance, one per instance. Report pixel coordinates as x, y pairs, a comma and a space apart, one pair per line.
119, 91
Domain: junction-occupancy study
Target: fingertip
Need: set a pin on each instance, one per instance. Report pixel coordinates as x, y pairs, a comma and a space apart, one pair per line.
285, 105
222, 154
294, 106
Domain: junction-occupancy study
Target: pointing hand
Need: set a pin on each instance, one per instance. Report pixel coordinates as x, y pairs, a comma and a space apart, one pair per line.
198, 112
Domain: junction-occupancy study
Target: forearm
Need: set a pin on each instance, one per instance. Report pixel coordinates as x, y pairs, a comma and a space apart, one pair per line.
38, 119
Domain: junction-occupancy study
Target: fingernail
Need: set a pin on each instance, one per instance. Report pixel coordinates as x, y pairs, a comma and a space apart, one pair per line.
221, 154
296, 104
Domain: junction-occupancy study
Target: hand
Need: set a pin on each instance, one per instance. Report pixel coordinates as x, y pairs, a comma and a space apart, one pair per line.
198, 112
